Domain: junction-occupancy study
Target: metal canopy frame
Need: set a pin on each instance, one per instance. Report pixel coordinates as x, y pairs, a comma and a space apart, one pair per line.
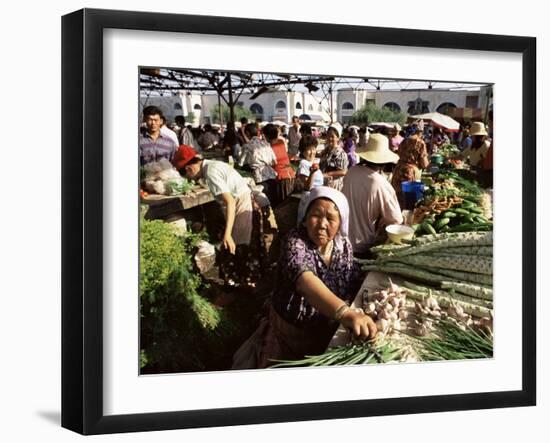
230, 85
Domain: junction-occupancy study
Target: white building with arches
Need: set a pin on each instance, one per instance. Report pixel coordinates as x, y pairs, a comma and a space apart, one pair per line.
458, 103
282, 105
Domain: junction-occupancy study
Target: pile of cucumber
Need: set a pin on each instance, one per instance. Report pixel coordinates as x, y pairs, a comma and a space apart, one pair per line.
467, 216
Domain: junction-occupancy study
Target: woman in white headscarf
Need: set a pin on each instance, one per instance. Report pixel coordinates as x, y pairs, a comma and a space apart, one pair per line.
317, 281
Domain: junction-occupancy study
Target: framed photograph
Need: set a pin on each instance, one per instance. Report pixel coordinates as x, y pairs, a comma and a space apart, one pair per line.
208, 176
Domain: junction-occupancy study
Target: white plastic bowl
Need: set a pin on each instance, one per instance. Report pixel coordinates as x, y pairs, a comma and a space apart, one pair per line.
396, 233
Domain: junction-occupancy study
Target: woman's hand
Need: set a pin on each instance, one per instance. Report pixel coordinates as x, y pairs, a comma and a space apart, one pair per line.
229, 243
360, 324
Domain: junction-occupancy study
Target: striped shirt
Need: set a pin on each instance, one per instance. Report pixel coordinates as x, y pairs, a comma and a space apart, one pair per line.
153, 150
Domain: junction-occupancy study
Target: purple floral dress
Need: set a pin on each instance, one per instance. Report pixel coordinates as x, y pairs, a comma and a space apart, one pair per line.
349, 148
299, 255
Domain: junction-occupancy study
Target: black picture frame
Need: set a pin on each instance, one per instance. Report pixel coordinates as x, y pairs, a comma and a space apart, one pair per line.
82, 218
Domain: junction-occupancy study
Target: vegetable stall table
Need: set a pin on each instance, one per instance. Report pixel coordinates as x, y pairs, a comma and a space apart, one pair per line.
420, 330
162, 206
431, 299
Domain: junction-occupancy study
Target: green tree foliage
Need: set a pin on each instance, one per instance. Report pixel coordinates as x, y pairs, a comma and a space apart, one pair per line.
175, 319
371, 113
239, 113
190, 118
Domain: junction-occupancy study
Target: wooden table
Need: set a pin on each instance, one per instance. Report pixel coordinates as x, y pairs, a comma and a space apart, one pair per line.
163, 205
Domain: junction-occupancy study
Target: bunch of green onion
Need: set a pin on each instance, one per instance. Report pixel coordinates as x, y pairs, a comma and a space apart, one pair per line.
350, 354
451, 341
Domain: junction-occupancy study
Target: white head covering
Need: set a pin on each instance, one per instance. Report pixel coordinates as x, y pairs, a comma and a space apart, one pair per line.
341, 203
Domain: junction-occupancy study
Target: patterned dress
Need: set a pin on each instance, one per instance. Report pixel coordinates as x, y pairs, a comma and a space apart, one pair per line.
332, 160
293, 328
413, 156
299, 255
349, 148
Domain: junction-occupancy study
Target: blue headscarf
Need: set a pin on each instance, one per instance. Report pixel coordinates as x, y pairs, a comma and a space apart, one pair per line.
411, 130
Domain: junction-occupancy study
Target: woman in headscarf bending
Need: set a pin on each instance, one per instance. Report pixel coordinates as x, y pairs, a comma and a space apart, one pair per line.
318, 279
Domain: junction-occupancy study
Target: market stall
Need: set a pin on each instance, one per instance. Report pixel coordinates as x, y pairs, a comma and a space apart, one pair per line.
160, 206
430, 291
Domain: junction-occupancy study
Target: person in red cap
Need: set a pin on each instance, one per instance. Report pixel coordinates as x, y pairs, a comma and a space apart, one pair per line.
244, 250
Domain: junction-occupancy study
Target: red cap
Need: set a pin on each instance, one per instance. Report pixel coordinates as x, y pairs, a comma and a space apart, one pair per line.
183, 155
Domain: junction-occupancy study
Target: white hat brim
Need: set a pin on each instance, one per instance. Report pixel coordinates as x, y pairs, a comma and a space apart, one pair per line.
379, 158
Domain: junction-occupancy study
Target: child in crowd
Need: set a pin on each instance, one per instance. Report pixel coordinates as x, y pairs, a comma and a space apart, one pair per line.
308, 174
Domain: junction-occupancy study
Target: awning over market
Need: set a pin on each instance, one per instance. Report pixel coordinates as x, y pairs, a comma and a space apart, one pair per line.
439, 120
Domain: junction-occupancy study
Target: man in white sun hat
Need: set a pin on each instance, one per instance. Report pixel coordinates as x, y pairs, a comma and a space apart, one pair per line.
372, 200
477, 151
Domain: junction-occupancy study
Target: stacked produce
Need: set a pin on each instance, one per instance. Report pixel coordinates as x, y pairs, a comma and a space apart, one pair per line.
163, 179
387, 308
457, 268
452, 204
449, 214
448, 150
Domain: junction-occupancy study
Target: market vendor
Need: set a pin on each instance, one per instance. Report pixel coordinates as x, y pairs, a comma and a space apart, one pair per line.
372, 200
479, 147
413, 157
318, 279
243, 254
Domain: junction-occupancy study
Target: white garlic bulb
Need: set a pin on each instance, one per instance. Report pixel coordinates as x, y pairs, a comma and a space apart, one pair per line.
431, 303
421, 330
393, 286
394, 301
382, 325
370, 308
418, 308
435, 313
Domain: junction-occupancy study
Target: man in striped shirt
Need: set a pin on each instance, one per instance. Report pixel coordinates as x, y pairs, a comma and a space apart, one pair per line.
152, 144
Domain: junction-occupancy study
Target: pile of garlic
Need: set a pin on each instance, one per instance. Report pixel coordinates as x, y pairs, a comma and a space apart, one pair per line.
387, 308
428, 313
